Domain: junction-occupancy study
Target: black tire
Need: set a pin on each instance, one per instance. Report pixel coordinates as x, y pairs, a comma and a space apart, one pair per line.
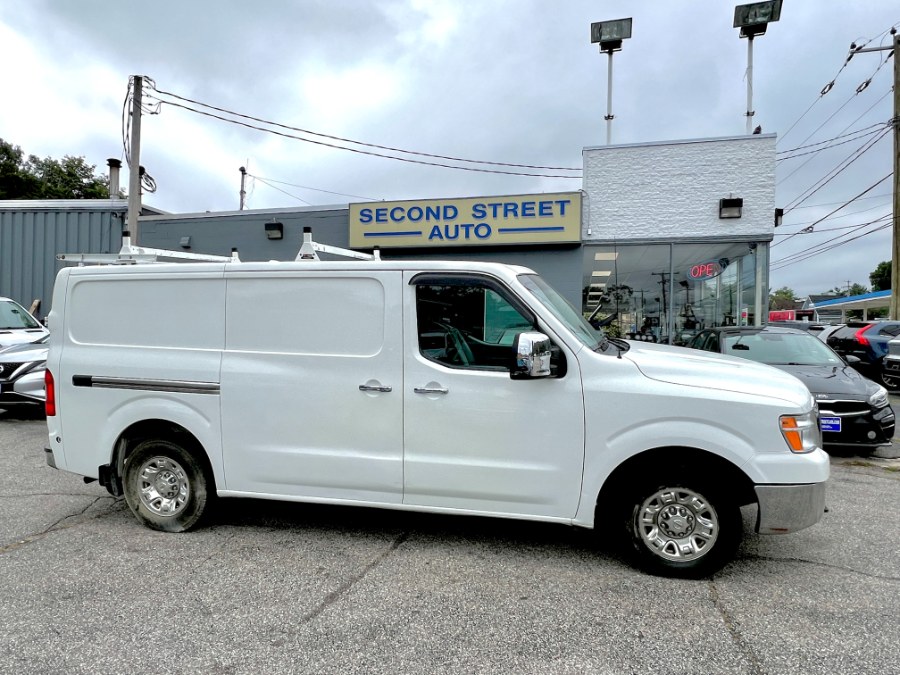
685, 529
166, 487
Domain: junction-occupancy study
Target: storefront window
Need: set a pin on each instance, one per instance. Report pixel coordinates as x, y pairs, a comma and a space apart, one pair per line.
669, 292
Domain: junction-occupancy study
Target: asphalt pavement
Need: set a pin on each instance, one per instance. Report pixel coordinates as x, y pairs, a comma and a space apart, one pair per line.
270, 587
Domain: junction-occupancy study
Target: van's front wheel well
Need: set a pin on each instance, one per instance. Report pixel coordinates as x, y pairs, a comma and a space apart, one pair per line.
111, 475
681, 461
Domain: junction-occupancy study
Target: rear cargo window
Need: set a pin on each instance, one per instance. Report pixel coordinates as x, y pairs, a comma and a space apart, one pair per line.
147, 312
335, 316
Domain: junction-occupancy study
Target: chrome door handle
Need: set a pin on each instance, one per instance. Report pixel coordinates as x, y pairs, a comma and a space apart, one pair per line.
430, 390
368, 387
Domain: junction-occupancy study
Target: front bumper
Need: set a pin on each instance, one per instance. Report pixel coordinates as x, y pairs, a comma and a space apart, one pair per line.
789, 508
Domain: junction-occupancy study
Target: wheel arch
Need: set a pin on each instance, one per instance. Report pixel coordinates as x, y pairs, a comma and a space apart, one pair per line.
708, 466
129, 438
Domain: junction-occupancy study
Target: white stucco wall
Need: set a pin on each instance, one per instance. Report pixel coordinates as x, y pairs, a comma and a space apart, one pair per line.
670, 191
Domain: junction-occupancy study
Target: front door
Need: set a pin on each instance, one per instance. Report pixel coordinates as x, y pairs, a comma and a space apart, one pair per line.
474, 438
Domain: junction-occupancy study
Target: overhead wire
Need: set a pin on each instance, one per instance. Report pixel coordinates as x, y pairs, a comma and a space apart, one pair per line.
847, 203
811, 252
365, 152
797, 168
835, 172
280, 190
856, 136
354, 142
306, 187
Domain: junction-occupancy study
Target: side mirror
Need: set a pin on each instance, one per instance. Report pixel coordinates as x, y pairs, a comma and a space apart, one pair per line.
852, 360
531, 356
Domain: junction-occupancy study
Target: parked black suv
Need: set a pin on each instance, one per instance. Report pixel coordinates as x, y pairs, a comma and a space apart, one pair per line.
867, 341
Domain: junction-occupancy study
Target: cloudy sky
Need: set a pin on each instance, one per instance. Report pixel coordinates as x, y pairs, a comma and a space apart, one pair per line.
513, 81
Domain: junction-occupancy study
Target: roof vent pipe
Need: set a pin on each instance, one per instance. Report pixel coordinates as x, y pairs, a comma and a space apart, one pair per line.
114, 166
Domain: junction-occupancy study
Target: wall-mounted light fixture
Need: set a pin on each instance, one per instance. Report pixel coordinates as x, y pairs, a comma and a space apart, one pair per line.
779, 216
185, 242
730, 207
274, 230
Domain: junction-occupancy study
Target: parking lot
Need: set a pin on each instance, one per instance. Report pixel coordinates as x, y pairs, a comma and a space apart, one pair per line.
285, 588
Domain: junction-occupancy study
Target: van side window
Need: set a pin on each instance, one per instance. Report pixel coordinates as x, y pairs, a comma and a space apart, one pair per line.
467, 325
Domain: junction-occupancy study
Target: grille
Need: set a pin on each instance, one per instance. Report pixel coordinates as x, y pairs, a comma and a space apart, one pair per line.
848, 408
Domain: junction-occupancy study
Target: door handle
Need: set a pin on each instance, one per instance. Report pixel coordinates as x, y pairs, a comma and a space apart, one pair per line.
430, 390
370, 387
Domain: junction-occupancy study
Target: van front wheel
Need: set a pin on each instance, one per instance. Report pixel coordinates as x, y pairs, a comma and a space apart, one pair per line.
165, 486
684, 531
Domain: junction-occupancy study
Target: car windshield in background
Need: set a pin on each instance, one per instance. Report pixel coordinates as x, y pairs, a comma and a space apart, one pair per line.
782, 349
13, 315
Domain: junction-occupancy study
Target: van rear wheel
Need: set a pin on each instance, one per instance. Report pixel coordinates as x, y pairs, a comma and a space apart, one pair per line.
166, 488
680, 529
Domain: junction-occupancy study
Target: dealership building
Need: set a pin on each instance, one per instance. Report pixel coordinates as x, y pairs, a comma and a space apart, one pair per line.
663, 239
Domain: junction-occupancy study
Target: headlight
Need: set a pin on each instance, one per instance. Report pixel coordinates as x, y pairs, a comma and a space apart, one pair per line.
801, 432
879, 399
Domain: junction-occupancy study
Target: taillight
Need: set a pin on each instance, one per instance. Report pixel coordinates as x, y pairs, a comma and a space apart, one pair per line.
860, 338
50, 394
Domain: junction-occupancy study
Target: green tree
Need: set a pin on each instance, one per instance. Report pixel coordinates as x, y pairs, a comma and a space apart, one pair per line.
880, 278
855, 289
783, 298
48, 178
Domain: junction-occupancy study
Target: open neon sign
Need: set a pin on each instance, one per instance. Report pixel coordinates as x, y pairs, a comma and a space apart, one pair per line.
705, 270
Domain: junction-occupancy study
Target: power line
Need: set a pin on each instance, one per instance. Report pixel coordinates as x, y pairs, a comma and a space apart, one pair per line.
816, 206
354, 142
306, 187
365, 152
796, 169
835, 172
785, 262
847, 203
856, 136
280, 190
846, 215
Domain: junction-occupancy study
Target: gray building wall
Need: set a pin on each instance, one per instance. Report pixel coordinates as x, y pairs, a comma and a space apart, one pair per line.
33, 232
217, 233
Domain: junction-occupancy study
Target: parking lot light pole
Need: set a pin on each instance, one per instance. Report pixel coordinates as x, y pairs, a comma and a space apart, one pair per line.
610, 35
753, 19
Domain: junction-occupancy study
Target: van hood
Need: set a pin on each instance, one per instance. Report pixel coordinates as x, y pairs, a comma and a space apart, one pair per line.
693, 368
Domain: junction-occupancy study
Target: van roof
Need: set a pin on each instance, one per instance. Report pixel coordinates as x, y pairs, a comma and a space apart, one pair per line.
189, 268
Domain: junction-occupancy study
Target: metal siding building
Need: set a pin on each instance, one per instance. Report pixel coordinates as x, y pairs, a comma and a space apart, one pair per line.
33, 232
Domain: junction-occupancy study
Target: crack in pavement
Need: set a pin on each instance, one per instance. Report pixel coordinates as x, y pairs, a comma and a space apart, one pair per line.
842, 568
345, 587
733, 631
50, 494
78, 518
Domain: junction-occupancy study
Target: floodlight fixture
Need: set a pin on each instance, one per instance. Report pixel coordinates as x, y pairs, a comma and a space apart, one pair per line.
753, 19
610, 34
731, 207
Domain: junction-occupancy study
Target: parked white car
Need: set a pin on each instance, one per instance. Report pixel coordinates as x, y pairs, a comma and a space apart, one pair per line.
449, 387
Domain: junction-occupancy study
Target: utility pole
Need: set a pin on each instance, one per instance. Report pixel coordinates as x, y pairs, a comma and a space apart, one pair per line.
750, 111
895, 121
243, 192
134, 168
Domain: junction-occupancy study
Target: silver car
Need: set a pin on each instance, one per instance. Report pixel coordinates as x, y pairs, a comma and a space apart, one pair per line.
22, 369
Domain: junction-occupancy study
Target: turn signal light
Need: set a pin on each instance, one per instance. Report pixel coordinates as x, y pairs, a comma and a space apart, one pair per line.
792, 433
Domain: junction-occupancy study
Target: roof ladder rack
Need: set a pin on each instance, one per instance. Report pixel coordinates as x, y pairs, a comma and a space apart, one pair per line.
309, 250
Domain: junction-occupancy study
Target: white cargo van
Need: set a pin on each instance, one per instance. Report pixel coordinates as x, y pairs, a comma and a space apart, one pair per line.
464, 388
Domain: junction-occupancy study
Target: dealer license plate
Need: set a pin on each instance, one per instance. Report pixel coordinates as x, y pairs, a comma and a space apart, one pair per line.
830, 423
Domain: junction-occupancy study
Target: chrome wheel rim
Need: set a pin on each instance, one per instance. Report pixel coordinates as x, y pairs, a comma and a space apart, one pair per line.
163, 486
677, 524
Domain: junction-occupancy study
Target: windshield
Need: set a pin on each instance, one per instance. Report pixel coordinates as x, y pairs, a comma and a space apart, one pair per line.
562, 309
13, 315
798, 349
